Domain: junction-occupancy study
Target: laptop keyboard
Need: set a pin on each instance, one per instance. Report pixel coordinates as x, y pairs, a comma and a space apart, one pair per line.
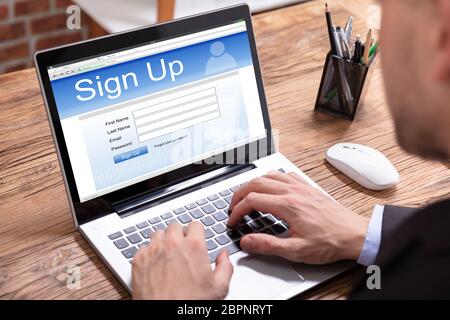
212, 212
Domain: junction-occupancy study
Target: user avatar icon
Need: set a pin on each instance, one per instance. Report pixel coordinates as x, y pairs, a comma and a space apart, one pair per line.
220, 60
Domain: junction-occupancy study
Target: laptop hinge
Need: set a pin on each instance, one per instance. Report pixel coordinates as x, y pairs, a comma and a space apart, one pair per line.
131, 206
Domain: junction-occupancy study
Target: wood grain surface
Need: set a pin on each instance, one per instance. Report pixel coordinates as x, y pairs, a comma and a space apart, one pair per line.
38, 242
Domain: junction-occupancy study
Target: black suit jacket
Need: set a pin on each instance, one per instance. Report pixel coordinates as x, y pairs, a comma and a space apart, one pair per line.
414, 255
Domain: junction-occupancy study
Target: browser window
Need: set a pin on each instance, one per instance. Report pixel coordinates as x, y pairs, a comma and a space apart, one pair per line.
131, 115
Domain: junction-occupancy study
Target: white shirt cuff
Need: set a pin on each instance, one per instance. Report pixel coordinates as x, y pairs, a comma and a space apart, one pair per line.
372, 242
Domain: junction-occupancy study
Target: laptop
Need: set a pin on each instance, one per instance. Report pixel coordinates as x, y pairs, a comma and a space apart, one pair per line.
162, 125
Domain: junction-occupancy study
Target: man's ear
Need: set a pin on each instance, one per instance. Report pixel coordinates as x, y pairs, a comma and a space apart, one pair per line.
441, 70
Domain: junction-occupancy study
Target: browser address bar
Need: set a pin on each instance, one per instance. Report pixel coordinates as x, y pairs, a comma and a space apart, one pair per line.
146, 50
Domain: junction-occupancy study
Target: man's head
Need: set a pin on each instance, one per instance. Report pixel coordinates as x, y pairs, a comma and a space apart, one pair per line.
415, 44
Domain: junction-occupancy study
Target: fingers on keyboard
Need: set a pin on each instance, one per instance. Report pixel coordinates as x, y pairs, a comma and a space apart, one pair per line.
212, 212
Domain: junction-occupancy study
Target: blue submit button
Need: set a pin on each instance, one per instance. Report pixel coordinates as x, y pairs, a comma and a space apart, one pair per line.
130, 154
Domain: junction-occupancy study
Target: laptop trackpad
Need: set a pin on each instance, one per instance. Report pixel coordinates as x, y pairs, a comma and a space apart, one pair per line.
261, 277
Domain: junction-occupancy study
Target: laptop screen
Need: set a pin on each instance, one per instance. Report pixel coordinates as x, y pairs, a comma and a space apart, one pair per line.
134, 114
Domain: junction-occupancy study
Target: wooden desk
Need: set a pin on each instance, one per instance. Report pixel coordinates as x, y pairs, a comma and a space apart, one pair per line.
37, 239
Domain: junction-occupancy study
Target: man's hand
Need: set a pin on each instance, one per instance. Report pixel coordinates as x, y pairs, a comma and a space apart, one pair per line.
176, 266
321, 230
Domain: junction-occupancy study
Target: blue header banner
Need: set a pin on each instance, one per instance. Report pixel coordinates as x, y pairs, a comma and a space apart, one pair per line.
103, 87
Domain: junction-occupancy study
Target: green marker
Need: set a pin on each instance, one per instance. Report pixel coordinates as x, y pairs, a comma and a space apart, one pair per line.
373, 49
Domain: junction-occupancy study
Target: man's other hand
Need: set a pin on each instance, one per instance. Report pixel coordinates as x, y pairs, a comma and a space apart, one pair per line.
176, 266
320, 229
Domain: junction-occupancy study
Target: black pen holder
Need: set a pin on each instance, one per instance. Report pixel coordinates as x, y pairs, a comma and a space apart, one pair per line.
343, 86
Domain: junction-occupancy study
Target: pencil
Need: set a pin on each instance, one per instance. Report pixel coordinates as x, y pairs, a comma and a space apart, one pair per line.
367, 46
330, 29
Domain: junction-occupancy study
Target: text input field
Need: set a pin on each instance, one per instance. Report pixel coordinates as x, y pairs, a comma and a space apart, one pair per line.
185, 109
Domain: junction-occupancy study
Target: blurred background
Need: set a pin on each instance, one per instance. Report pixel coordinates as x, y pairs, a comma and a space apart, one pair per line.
30, 25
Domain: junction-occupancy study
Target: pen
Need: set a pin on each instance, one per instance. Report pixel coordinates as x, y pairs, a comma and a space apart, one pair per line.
330, 30
367, 47
343, 42
349, 28
337, 43
358, 49
342, 83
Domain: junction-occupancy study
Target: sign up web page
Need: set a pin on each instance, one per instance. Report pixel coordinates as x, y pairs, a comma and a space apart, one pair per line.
128, 116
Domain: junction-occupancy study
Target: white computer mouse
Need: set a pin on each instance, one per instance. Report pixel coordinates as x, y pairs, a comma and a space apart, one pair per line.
366, 166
